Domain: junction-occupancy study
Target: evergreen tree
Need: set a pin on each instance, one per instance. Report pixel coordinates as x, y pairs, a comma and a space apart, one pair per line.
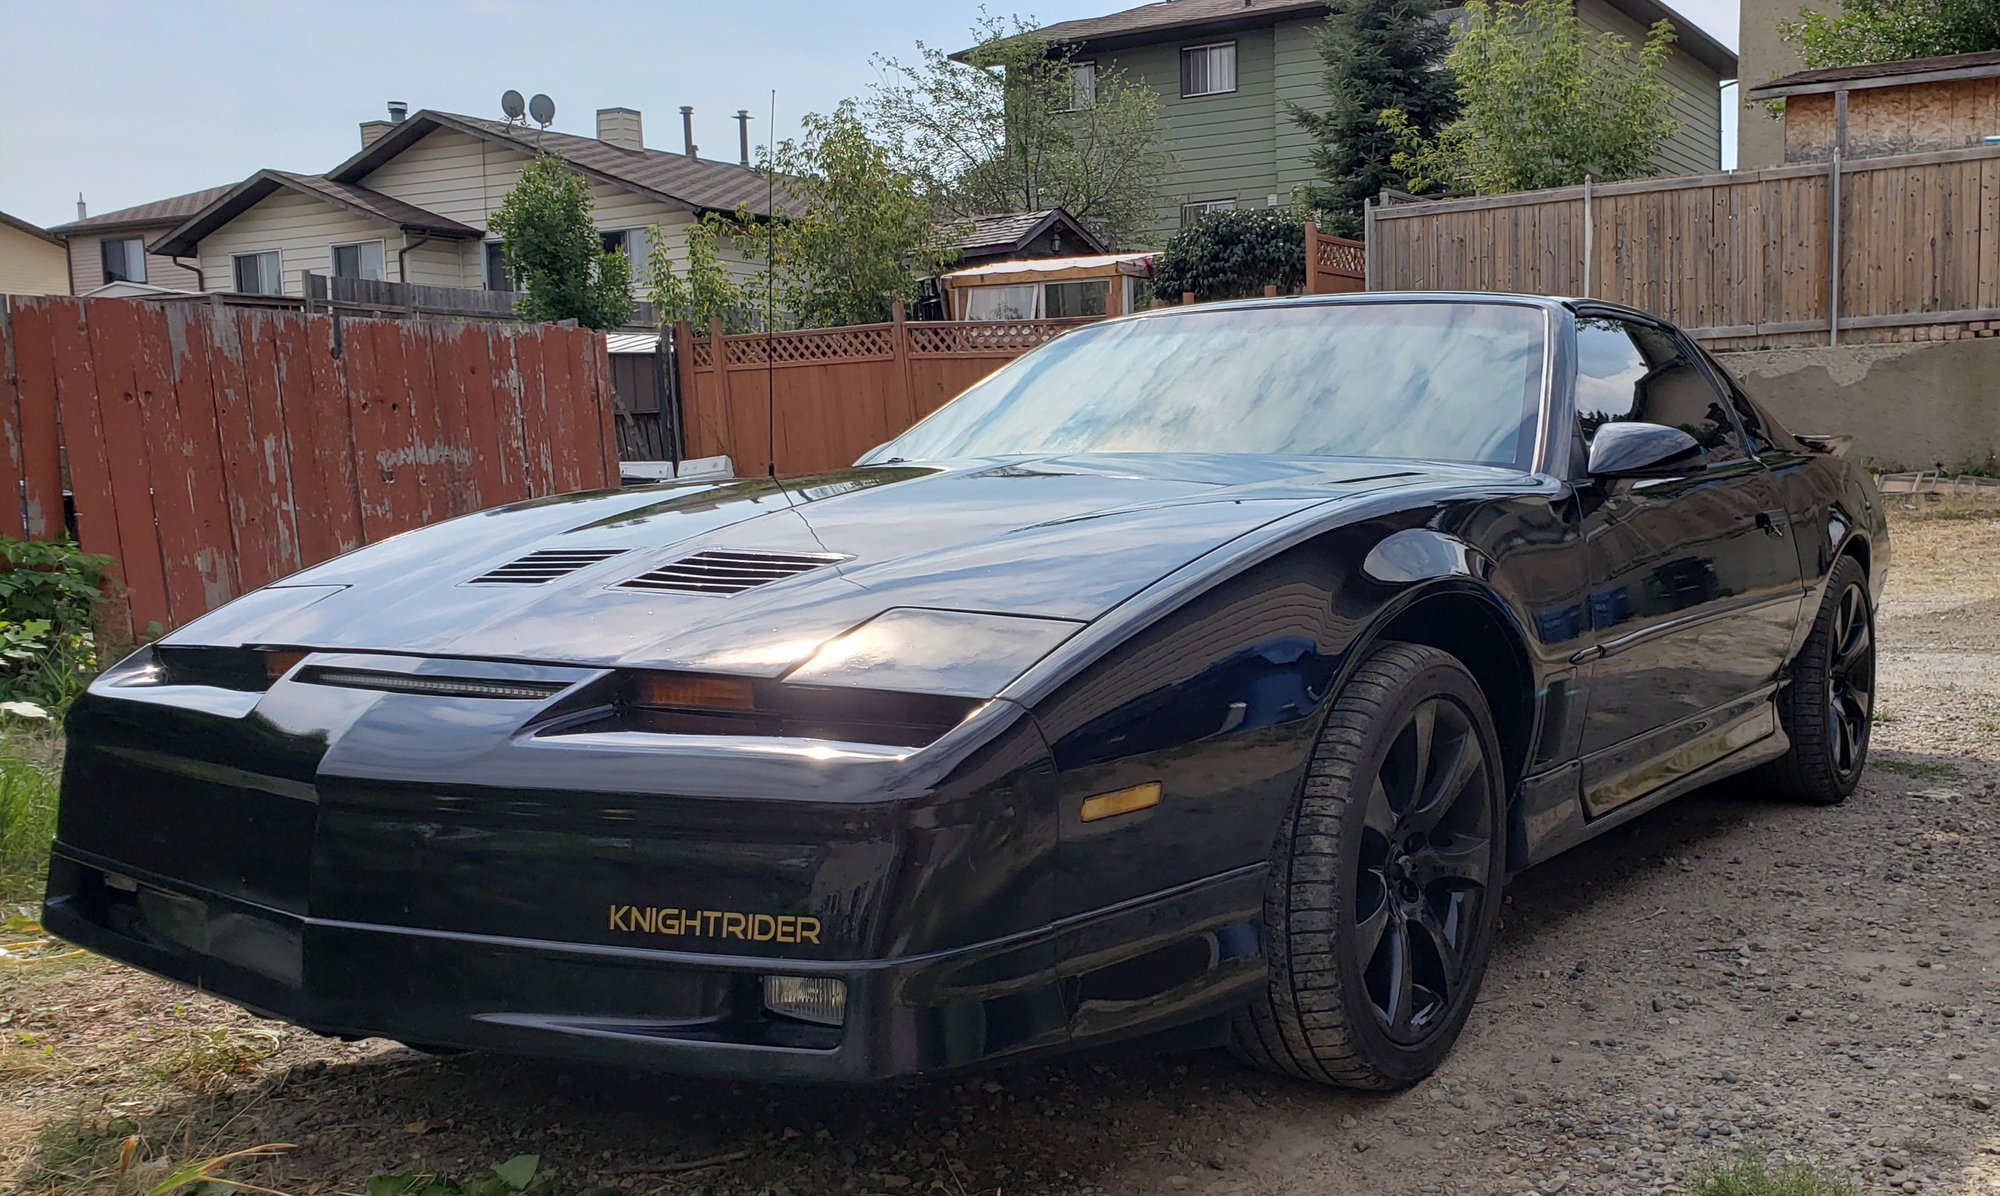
1379, 55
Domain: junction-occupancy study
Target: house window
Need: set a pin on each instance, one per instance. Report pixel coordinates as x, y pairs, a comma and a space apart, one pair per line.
1082, 86
498, 277
124, 260
1208, 70
257, 273
1191, 212
632, 242
1014, 302
360, 260
1061, 300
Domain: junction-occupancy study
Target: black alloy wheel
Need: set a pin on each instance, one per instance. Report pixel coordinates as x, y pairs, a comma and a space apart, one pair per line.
1384, 891
1426, 864
1828, 708
1850, 681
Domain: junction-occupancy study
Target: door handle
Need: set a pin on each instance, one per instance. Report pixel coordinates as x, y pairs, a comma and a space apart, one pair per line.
1771, 523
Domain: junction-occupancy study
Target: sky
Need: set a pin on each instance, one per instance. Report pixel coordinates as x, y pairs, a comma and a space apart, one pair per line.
133, 100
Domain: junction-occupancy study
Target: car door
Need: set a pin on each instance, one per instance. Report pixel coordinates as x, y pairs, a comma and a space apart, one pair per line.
1695, 584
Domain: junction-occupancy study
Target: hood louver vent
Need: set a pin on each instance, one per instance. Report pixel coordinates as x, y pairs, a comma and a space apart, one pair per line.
719, 572
540, 568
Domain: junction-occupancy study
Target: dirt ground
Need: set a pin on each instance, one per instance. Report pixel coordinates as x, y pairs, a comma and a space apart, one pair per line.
1725, 974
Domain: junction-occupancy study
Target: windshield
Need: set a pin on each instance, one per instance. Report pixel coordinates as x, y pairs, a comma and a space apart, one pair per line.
1450, 381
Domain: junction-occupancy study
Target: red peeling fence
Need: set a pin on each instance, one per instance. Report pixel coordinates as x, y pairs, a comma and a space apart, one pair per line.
213, 449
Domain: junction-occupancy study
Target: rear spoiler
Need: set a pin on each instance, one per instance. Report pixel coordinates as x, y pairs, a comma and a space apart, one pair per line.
1832, 446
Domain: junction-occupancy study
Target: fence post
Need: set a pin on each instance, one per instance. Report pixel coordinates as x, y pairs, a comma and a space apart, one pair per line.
900, 344
1833, 219
718, 360
1589, 234
1367, 242
1312, 257
682, 393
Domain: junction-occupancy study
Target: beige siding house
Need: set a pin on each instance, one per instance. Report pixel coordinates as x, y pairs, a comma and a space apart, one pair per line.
414, 205
111, 246
32, 260
1226, 73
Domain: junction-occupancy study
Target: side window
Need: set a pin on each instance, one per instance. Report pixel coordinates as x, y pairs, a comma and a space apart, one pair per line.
1761, 429
1637, 372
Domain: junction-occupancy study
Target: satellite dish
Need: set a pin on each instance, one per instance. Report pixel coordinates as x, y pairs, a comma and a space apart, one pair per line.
543, 109
512, 104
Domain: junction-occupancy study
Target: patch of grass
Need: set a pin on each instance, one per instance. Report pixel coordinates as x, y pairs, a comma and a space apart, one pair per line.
1922, 770
206, 1057
78, 1147
1750, 1175
28, 771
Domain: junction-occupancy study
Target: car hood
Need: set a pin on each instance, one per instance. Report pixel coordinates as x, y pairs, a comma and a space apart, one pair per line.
1059, 538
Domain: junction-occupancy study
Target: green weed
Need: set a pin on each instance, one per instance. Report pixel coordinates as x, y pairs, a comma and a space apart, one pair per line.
1750, 1175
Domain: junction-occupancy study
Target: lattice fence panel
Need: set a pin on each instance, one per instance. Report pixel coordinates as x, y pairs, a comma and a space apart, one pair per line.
814, 346
995, 336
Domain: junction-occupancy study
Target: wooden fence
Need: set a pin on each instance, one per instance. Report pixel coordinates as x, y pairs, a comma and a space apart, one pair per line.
213, 449
1334, 265
1892, 248
835, 392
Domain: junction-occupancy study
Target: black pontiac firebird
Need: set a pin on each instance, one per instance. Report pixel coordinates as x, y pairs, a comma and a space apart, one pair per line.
1210, 670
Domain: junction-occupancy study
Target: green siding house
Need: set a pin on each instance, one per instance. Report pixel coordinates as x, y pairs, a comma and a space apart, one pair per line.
1225, 71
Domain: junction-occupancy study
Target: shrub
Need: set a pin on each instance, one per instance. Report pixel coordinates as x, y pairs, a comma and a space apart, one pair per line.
49, 590
1231, 255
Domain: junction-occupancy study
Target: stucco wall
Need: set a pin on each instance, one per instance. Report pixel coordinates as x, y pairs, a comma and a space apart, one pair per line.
1912, 406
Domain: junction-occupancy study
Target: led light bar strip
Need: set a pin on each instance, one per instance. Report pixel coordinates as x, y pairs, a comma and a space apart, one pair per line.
443, 687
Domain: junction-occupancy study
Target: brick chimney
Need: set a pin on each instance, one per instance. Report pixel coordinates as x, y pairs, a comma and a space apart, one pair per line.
620, 127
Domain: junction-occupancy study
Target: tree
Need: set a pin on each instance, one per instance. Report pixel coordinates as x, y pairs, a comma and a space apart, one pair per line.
866, 234
1545, 102
1889, 30
1379, 54
1233, 254
705, 289
1015, 127
552, 246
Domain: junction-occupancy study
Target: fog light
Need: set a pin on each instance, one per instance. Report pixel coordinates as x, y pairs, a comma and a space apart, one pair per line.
808, 998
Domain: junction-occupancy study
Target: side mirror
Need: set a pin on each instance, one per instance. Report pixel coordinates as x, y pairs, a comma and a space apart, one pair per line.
1635, 450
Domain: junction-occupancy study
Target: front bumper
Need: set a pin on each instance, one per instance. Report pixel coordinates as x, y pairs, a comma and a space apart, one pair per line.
678, 1011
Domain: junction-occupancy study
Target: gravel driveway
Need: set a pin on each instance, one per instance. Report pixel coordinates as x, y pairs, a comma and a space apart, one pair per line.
1726, 973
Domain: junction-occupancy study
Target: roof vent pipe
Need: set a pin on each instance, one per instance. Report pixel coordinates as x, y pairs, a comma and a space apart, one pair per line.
743, 136
82, 212
398, 111
687, 128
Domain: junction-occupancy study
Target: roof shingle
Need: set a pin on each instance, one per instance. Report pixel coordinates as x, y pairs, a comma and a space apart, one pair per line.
697, 183
1164, 18
172, 210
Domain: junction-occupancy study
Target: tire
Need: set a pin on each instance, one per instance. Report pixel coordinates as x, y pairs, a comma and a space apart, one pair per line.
1828, 710
1353, 855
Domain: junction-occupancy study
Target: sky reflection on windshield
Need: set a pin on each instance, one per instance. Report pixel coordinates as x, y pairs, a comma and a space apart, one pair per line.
1446, 381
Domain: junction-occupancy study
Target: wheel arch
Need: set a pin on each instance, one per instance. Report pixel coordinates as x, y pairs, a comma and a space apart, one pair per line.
1471, 623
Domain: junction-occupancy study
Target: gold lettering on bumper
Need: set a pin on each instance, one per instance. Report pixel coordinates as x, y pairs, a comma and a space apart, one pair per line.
727, 925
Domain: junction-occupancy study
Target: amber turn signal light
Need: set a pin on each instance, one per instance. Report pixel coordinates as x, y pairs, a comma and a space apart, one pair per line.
277, 664
675, 691
1121, 801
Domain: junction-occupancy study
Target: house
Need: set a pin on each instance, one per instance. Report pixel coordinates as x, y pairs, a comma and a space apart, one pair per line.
32, 260
413, 204
1908, 107
1763, 54
1009, 236
1051, 288
111, 246
1226, 70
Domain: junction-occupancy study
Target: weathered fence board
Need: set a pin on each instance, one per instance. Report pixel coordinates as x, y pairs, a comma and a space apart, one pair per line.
1740, 256
213, 449
835, 392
